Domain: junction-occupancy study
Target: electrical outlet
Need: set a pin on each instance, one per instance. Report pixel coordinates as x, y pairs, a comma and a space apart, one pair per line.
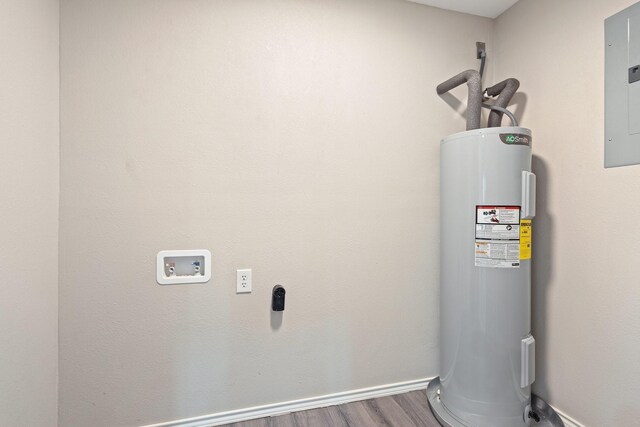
243, 281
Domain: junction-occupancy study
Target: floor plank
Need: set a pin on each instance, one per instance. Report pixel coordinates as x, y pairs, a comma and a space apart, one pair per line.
416, 405
283, 421
358, 414
402, 410
391, 412
336, 417
314, 417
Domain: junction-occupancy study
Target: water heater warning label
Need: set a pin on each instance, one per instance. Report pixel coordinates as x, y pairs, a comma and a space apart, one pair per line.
497, 236
525, 239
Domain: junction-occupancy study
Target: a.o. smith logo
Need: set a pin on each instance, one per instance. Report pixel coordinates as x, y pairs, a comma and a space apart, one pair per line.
515, 139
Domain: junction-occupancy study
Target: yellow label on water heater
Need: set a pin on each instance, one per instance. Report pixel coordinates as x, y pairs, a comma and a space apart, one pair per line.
525, 239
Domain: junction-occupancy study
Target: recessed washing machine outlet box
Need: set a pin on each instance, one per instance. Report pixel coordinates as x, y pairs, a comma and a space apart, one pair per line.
183, 267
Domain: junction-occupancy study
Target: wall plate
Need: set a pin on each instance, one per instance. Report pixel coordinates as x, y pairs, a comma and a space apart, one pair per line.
177, 267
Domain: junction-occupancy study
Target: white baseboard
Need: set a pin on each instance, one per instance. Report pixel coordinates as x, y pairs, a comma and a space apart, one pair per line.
296, 405
567, 420
313, 403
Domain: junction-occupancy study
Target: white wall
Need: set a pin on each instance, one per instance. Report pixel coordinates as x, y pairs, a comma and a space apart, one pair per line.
586, 236
299, 139
29, 214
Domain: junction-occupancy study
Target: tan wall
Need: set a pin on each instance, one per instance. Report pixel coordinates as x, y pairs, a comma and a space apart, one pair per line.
29, 212
587, 237
299, 139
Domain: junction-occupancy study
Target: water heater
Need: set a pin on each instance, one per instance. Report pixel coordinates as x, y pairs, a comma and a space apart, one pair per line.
487, 204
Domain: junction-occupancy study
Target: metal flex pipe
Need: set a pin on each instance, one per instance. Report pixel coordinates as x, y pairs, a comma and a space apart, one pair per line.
512, 117
505, 91
474, 101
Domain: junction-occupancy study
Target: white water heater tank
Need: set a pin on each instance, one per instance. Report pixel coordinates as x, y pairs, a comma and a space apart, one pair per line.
486, 347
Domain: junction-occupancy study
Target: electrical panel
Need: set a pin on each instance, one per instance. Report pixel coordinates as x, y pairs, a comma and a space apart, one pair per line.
622, 88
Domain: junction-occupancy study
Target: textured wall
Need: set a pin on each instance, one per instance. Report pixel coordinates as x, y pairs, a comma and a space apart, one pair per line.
586, 236
29, 213
296, 138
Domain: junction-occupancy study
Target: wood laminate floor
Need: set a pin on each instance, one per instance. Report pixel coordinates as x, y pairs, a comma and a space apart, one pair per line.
402, 410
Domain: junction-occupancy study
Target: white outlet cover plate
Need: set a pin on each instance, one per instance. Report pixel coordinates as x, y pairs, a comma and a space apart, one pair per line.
163, 279
243, 276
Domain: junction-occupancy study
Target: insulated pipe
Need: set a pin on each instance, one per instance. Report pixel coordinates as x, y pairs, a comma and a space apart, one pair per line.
505, 91
512, 117
474, 102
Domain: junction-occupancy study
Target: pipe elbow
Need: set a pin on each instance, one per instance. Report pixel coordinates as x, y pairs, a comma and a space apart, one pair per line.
474, 103
471, 77
508, 85
505, 91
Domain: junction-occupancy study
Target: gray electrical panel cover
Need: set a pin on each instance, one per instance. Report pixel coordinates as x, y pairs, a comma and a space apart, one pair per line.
622, 88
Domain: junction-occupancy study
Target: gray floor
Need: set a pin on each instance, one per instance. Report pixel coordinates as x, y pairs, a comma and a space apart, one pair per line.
402, 410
